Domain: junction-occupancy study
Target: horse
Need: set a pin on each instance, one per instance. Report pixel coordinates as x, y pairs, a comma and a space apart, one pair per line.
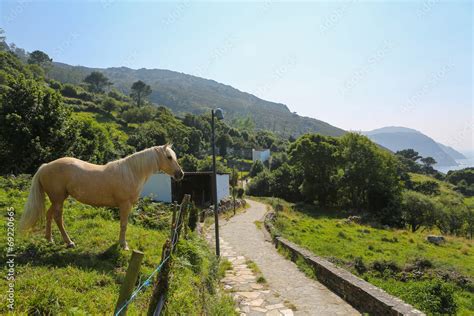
115, 184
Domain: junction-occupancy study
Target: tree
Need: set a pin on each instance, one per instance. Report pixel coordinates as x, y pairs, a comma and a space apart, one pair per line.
417, 210
318, 157
223, 141
256, 168
370, 180
97, 82
35, 126
189, 163
39, 58
140, 91
409, 154
3, 44
428, 161
147, 135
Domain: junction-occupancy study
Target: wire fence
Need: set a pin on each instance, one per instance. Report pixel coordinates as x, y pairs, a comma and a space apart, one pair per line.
162, 270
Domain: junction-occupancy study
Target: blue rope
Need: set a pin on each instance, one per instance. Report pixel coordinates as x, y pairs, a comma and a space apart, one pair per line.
147, 282
142, 286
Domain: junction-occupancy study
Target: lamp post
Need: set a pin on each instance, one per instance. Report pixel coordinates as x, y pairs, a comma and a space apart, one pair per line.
216, 113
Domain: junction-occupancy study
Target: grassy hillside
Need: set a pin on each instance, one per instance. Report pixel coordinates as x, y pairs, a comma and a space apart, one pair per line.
402, 263
189, 94
51, 279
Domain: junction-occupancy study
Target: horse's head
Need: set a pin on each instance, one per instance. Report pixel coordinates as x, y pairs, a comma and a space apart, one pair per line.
168, 162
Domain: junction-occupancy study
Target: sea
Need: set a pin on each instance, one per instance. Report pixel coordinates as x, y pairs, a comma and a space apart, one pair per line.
462, 163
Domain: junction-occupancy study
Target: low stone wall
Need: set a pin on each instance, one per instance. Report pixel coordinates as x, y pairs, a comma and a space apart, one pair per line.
362, 295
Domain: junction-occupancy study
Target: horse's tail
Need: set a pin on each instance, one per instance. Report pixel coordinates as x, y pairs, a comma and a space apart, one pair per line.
34, 207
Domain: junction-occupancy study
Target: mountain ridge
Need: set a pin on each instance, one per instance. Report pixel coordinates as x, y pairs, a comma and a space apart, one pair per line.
184, 93
397, 138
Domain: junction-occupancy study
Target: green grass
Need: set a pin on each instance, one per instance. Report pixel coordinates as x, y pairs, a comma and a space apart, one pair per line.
445, 188
391, 259
51, 279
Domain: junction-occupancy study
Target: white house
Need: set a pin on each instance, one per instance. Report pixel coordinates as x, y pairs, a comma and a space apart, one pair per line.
262, 155
161, 187
158, 188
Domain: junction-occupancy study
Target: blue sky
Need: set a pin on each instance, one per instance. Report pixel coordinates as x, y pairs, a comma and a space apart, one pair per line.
357, 65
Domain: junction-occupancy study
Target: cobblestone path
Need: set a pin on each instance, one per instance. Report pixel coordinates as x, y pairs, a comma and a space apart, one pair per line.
287, 290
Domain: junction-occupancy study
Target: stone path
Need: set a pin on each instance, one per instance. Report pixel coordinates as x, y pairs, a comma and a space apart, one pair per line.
287, 290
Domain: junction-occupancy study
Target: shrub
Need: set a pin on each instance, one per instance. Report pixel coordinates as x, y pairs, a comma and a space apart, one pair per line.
109, 104
69, 91
260, 185
256, 168
189, 163
429, 187
417, 210
434, 297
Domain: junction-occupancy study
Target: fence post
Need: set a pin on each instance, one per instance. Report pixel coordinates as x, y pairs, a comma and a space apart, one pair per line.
161, 285
173, 219
130, 279
157, 300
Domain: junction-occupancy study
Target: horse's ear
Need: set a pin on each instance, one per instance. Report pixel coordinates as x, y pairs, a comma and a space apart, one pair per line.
168, 145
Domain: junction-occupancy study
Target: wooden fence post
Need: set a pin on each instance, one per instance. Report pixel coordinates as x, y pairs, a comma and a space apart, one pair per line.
157, 300
158, 297
130, 279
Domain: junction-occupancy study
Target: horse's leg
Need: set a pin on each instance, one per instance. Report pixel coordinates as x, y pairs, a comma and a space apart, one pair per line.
58, 218
124, 211
49, 218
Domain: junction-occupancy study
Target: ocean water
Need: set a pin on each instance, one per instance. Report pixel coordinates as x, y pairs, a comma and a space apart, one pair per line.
463, 163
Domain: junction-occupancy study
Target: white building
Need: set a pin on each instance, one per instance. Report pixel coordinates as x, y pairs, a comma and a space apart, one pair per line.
161, 187
262, 155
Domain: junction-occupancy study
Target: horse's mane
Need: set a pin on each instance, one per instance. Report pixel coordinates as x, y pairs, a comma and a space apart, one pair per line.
141, 163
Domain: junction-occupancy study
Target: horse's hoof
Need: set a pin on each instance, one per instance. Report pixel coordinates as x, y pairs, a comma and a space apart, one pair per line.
71, 245
125, 246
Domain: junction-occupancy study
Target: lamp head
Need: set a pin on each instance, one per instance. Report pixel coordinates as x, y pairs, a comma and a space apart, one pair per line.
219, 113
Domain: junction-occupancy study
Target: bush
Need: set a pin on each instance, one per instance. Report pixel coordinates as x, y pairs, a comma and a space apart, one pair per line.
189, 163
69, 91
109, 104
260, 185
434, 297
418, 210
429, 187
140, 115
256, 168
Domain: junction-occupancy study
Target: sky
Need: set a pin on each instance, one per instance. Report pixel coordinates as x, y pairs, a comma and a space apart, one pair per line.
357, 65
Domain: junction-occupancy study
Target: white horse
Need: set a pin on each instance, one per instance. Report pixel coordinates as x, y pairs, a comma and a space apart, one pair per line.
116, 184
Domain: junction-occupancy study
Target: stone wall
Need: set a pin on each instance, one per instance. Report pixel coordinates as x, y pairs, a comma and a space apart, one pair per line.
362, 295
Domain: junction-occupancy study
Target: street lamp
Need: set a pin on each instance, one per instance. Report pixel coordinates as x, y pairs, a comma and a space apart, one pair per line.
216, 113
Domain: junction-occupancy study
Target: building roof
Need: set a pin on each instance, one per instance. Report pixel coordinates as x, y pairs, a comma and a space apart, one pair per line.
200, 173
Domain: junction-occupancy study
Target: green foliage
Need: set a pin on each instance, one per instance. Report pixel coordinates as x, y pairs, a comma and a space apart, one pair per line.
189, 163
429, 187
463, 179
140, 91
147, 135
401, 262
206, 165
35, 126
257, 167
140, 115
319, 157
97, 81
86, 280
434, 297
39, 58
418, 210
260, 185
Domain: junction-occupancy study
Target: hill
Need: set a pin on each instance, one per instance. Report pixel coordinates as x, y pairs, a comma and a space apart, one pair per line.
398, 138
184, 93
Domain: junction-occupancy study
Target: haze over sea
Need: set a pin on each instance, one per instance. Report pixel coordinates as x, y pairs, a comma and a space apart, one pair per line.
462, 163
